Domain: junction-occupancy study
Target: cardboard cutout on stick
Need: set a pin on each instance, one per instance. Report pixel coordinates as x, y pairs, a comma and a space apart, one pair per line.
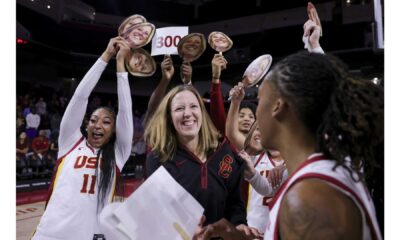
129, 22
139, 35
191, 46
141, 64
219, 41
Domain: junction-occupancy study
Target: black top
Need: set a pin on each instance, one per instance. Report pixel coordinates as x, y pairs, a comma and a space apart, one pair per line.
215, 184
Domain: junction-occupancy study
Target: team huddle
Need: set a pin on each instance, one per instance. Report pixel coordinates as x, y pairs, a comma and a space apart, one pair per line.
290, 166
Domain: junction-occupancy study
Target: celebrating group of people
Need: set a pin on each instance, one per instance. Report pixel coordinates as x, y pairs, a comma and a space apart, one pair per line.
303, 153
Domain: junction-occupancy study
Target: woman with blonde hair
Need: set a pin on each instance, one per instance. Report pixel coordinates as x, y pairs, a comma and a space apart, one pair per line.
185, 141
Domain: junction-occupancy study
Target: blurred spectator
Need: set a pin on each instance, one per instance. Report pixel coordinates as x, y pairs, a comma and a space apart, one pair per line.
41, 107
32, 123
27, 110
138, 144
110, 105
51, 157
22, 149
55, 121
26, 101
94, 104
40, 146
53, 105
21, 124
138, 121
63, 100
45, 125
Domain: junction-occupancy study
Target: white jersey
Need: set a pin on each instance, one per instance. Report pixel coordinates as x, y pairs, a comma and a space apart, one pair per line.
257, 208
71, 211
317, 167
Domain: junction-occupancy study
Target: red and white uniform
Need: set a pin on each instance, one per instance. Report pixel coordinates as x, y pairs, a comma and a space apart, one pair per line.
257, 208
71, 211
318, 167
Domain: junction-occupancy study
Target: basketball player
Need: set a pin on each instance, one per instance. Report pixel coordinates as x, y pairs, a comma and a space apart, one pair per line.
87, 168
325, 123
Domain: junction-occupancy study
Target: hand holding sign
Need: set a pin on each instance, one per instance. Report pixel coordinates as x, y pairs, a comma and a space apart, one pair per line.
256, 71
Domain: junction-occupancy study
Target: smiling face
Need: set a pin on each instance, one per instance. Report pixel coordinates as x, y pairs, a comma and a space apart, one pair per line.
101, 127
246, 119
186, 116
255, 141
140, 63
191, 47
219, 42
139, 34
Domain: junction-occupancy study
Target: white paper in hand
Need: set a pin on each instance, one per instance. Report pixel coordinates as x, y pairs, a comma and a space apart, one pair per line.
159, 209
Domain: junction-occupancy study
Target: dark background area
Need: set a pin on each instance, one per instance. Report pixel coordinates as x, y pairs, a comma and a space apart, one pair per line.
63, 41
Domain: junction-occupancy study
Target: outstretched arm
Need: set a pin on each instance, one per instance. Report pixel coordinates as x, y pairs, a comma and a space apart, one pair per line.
167, 69
217, 109
75, 111
232, 120
258, 182
124, 126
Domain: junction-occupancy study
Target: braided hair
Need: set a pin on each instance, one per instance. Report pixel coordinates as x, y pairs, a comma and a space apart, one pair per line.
344, 113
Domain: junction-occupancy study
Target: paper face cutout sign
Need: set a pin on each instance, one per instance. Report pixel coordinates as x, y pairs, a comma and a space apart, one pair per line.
219, 41
257, 70
129, 22
139, 35
191, 47
141, 64
313, 15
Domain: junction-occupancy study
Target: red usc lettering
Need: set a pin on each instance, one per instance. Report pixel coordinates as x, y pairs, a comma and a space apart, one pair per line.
225, 166
84, 161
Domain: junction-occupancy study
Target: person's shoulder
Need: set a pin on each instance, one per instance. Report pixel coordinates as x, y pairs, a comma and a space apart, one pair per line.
315, 209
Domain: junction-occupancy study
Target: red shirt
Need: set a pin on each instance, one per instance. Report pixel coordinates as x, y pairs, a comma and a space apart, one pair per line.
40, 144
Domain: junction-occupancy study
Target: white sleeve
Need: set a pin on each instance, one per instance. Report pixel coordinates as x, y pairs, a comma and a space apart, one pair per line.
124, 124
261, 185
309, 48
75, 111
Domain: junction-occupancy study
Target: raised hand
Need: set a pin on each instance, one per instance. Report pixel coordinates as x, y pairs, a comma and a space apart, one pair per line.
276, 175
186, 72
237, 92
218, 64
249, 169
124, 53
313, 32
111, 49
167, 67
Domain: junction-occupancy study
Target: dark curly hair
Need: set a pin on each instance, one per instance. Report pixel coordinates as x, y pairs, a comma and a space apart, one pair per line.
249, 105
344, 113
